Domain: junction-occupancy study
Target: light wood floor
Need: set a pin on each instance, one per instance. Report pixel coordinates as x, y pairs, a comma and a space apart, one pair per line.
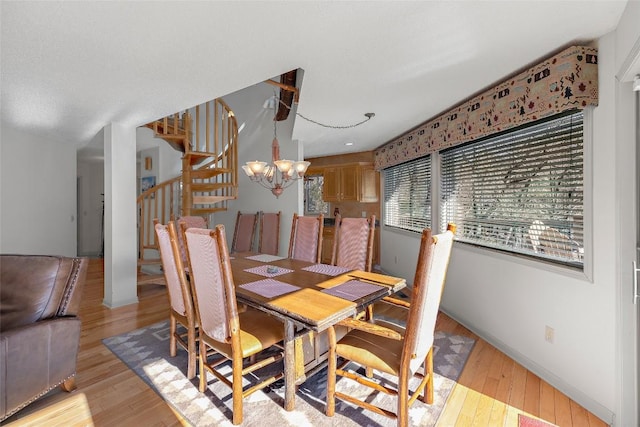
491, 391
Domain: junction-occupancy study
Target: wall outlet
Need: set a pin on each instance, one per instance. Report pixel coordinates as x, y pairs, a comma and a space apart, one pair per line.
548, 334
364, 214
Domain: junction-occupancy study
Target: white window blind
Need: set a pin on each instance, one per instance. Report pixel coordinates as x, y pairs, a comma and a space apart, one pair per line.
521, 191
407, 195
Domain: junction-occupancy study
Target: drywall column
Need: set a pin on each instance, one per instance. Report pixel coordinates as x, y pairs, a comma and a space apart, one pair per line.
120, 257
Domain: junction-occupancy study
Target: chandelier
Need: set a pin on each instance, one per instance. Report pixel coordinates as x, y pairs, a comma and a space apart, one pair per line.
280, 173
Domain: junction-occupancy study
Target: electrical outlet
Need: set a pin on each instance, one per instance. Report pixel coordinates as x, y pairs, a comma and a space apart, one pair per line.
548, 334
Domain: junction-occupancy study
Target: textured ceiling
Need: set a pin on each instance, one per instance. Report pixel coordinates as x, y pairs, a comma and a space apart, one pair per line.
69, 68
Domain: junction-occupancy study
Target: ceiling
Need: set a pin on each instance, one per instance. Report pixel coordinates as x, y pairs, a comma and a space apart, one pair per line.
69, 68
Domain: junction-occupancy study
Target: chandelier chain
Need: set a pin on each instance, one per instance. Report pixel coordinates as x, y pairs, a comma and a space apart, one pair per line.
368, 115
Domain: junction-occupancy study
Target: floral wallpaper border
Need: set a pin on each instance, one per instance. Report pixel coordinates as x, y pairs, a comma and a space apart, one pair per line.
565, 81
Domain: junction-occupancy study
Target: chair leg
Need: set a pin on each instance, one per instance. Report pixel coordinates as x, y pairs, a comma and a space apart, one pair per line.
172, 335
69, 384
403, 399
191, 346
237, 389
428, 370
203, 372
331, 373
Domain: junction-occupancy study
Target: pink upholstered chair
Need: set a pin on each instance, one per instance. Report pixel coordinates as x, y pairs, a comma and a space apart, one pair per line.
224, 333
390, 351
245, 232
305, 243
189, 221
180, 300
269, 233
353, 242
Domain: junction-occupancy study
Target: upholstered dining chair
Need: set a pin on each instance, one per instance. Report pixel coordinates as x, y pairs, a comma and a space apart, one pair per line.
390, 351
224, 333
188, 221
180, 300
245, 232
305, 243
353, 242
269, 241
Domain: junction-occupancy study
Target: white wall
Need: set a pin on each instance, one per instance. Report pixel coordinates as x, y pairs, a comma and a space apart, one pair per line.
509, 302
38, 194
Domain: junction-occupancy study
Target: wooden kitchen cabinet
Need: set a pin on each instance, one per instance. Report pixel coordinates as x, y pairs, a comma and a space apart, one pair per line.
351, 182
369, 184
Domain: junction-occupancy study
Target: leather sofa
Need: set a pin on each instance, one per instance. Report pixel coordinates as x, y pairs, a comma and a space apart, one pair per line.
39, 326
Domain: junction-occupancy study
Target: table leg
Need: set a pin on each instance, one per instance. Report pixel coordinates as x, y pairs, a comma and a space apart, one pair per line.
289, 366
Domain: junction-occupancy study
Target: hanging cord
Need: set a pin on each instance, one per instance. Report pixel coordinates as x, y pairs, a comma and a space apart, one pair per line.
368, 116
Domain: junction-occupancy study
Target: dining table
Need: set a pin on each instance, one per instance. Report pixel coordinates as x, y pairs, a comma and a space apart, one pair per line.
308, 298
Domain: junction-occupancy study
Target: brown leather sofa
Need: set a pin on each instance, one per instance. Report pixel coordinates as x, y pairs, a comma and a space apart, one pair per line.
39, 326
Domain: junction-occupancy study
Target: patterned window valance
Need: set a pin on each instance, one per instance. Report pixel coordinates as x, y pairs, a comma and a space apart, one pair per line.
566, 81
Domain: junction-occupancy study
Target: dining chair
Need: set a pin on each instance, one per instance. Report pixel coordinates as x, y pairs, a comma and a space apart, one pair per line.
189, 221
181, 304
353, 242
224, 333
305, 243
390, 351
269, 242
244, 232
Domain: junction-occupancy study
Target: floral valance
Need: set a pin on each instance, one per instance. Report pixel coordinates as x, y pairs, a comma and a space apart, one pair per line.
566, 81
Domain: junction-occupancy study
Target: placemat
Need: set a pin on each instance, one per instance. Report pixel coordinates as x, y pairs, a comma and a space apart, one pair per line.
266, 270
265, 258
329, 270
353, 290
269, 288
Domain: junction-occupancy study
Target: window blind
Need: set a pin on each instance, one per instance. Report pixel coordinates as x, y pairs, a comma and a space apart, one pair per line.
407, 195
521, 191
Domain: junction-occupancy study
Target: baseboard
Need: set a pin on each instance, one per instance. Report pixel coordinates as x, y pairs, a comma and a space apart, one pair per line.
120, 303
573, 393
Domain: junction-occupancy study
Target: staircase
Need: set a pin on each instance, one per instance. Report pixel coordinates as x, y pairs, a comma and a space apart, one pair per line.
207, 135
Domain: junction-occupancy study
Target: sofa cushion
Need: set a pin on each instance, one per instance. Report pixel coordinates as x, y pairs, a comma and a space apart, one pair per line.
32, 287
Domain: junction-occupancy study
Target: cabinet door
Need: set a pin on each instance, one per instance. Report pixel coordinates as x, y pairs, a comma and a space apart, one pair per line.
369, 184
331, 185
349, 183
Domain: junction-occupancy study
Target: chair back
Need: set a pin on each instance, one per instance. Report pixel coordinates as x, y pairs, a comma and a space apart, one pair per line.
428, 284
556, 244
189, 221
353, 243
269, 233
306, 238
177, 287
213, 293
245, 232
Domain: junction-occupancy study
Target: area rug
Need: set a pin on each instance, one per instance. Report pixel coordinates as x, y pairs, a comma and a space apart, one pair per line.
146, 352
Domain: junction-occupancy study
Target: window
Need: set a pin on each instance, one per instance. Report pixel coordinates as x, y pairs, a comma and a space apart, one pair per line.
313, 203
521, 191
407, 195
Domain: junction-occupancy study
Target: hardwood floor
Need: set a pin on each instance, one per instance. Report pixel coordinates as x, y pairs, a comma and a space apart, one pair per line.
491, 391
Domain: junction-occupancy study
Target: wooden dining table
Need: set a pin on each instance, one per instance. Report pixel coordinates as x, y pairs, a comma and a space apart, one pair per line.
308, 298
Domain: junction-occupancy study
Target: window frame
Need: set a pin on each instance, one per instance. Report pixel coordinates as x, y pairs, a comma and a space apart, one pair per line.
584, 272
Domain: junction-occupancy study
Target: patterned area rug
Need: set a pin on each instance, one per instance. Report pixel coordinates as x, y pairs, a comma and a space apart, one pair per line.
146, 352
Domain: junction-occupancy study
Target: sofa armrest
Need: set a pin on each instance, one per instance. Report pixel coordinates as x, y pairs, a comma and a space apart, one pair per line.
35, 359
